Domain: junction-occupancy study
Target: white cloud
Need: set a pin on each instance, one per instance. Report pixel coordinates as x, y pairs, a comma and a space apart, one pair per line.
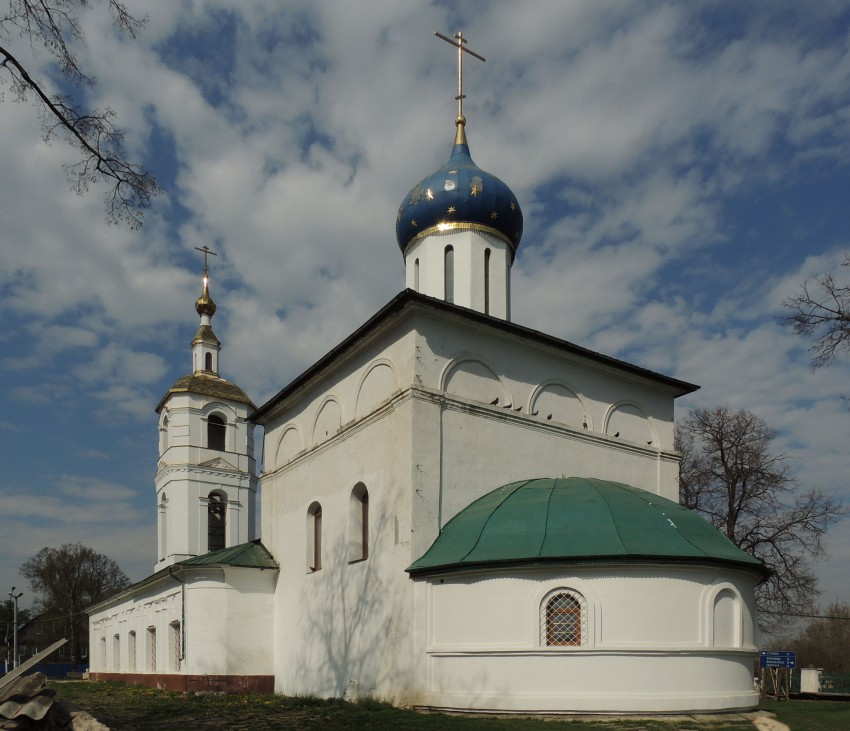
640, 140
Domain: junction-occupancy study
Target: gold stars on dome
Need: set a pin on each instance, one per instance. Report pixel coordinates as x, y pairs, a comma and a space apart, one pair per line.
513, 205
451, 209
494, 216
452, 172
474, 189
413, 222
429, 194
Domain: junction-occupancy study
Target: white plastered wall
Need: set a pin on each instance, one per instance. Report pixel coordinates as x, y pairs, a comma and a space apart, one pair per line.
380, 415
647, 643
223, 617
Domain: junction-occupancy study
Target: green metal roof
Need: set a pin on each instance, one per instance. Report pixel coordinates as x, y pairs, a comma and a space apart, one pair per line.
253, 555
576, 519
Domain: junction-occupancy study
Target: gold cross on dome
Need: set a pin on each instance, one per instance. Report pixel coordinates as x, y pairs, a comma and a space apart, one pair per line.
207, 251
458, 42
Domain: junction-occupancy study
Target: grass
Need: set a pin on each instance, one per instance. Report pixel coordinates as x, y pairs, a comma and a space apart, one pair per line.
811, 715
133, 708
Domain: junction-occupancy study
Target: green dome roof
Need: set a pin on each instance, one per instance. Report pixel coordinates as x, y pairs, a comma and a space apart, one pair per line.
577, 520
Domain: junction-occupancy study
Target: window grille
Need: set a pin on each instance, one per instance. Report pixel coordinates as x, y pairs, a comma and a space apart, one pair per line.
563, 620
152, 649
176, 648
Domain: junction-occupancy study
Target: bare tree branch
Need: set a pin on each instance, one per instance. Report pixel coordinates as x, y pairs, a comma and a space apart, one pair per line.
52, 24
729, 474
822, 314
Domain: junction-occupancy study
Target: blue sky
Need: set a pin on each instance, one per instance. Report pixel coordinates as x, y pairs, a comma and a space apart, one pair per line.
682, 168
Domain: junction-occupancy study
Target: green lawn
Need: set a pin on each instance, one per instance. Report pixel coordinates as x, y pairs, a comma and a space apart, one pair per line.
811, 715
129, 708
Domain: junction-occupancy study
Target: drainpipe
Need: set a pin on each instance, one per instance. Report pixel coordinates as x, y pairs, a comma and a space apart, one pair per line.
182, 614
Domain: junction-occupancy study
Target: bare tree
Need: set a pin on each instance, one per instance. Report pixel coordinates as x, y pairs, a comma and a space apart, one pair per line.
821, 310
69, 579
825, 642
52, 25
729, 474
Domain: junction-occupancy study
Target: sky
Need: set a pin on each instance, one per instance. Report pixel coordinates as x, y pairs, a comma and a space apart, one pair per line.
682, 169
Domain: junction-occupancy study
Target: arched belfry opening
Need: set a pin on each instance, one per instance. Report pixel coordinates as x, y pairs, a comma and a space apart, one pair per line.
216, 521
216, 432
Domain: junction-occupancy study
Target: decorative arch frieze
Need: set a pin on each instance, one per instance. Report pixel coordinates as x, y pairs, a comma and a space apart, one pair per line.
291, 442
626, 420
378, 382
328, 419
555, 401
470, 377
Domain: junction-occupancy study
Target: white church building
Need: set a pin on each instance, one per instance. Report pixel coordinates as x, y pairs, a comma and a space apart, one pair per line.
458, 512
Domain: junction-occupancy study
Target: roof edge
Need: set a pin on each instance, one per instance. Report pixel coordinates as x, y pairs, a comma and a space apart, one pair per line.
409, 297
756, 567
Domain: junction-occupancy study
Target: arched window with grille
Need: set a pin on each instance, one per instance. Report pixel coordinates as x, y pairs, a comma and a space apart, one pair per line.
216, 517
216, 429
563, 620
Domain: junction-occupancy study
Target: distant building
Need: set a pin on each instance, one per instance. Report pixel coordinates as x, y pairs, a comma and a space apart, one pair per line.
457, 512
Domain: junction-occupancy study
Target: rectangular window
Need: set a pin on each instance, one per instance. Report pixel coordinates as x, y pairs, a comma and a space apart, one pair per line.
151, 654
116, 654
131, 652
176, 645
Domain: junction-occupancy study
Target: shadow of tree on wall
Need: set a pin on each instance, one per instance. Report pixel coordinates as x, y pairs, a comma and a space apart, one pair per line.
348, 613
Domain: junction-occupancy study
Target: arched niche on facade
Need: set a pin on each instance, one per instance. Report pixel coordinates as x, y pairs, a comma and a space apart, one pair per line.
627, 421
471, 378
729, 623
564, 405
328, 420
378, 383
289, 444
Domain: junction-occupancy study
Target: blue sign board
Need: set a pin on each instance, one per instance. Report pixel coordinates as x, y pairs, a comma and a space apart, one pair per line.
770, 659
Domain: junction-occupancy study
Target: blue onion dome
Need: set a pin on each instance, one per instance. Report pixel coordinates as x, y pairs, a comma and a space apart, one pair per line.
459, 196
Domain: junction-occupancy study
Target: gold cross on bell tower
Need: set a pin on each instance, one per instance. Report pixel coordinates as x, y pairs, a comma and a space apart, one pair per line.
207, 251
458, 42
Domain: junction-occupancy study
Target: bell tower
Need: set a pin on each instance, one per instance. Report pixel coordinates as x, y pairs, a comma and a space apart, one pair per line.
206, 482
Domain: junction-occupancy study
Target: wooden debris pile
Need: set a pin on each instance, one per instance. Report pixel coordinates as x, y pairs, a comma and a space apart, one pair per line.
27, 704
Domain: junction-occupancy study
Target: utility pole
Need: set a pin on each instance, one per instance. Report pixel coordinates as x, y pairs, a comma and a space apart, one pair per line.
14, 598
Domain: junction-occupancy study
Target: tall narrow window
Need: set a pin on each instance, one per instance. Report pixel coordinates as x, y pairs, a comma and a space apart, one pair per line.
163, 436
131, 651
449, 273
486, 281
163, 527
358, 524
208, 362
216, 511
416, 275
563, 620
176, 649
215, 432
314, 537
116, 653
150, 665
